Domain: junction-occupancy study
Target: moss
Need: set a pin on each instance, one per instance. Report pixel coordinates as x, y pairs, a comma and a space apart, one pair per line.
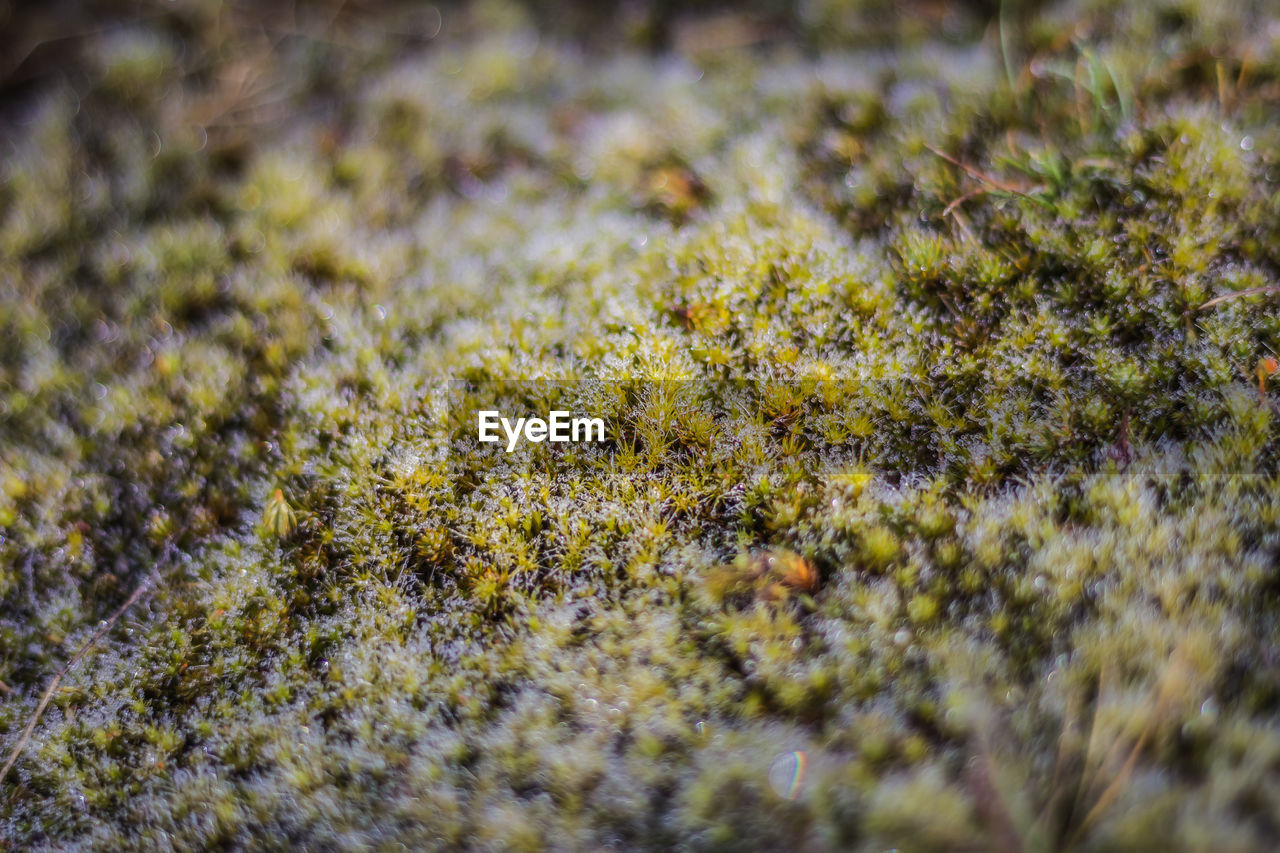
938, 507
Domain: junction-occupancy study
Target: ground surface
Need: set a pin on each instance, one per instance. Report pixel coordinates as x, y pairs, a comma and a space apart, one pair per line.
1015, 587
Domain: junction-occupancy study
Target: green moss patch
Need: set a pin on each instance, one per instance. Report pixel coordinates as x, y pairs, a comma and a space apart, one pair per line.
981, 556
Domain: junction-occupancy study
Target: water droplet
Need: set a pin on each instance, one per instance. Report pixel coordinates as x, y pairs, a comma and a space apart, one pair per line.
786, 775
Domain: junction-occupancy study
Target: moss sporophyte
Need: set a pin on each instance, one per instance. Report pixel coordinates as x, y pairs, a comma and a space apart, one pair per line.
278, 518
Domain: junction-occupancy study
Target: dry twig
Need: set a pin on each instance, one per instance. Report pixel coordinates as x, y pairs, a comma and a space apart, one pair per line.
977, 173
106, 626
1249, 291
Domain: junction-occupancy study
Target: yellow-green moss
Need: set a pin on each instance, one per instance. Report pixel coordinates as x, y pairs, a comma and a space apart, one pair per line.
935, 468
